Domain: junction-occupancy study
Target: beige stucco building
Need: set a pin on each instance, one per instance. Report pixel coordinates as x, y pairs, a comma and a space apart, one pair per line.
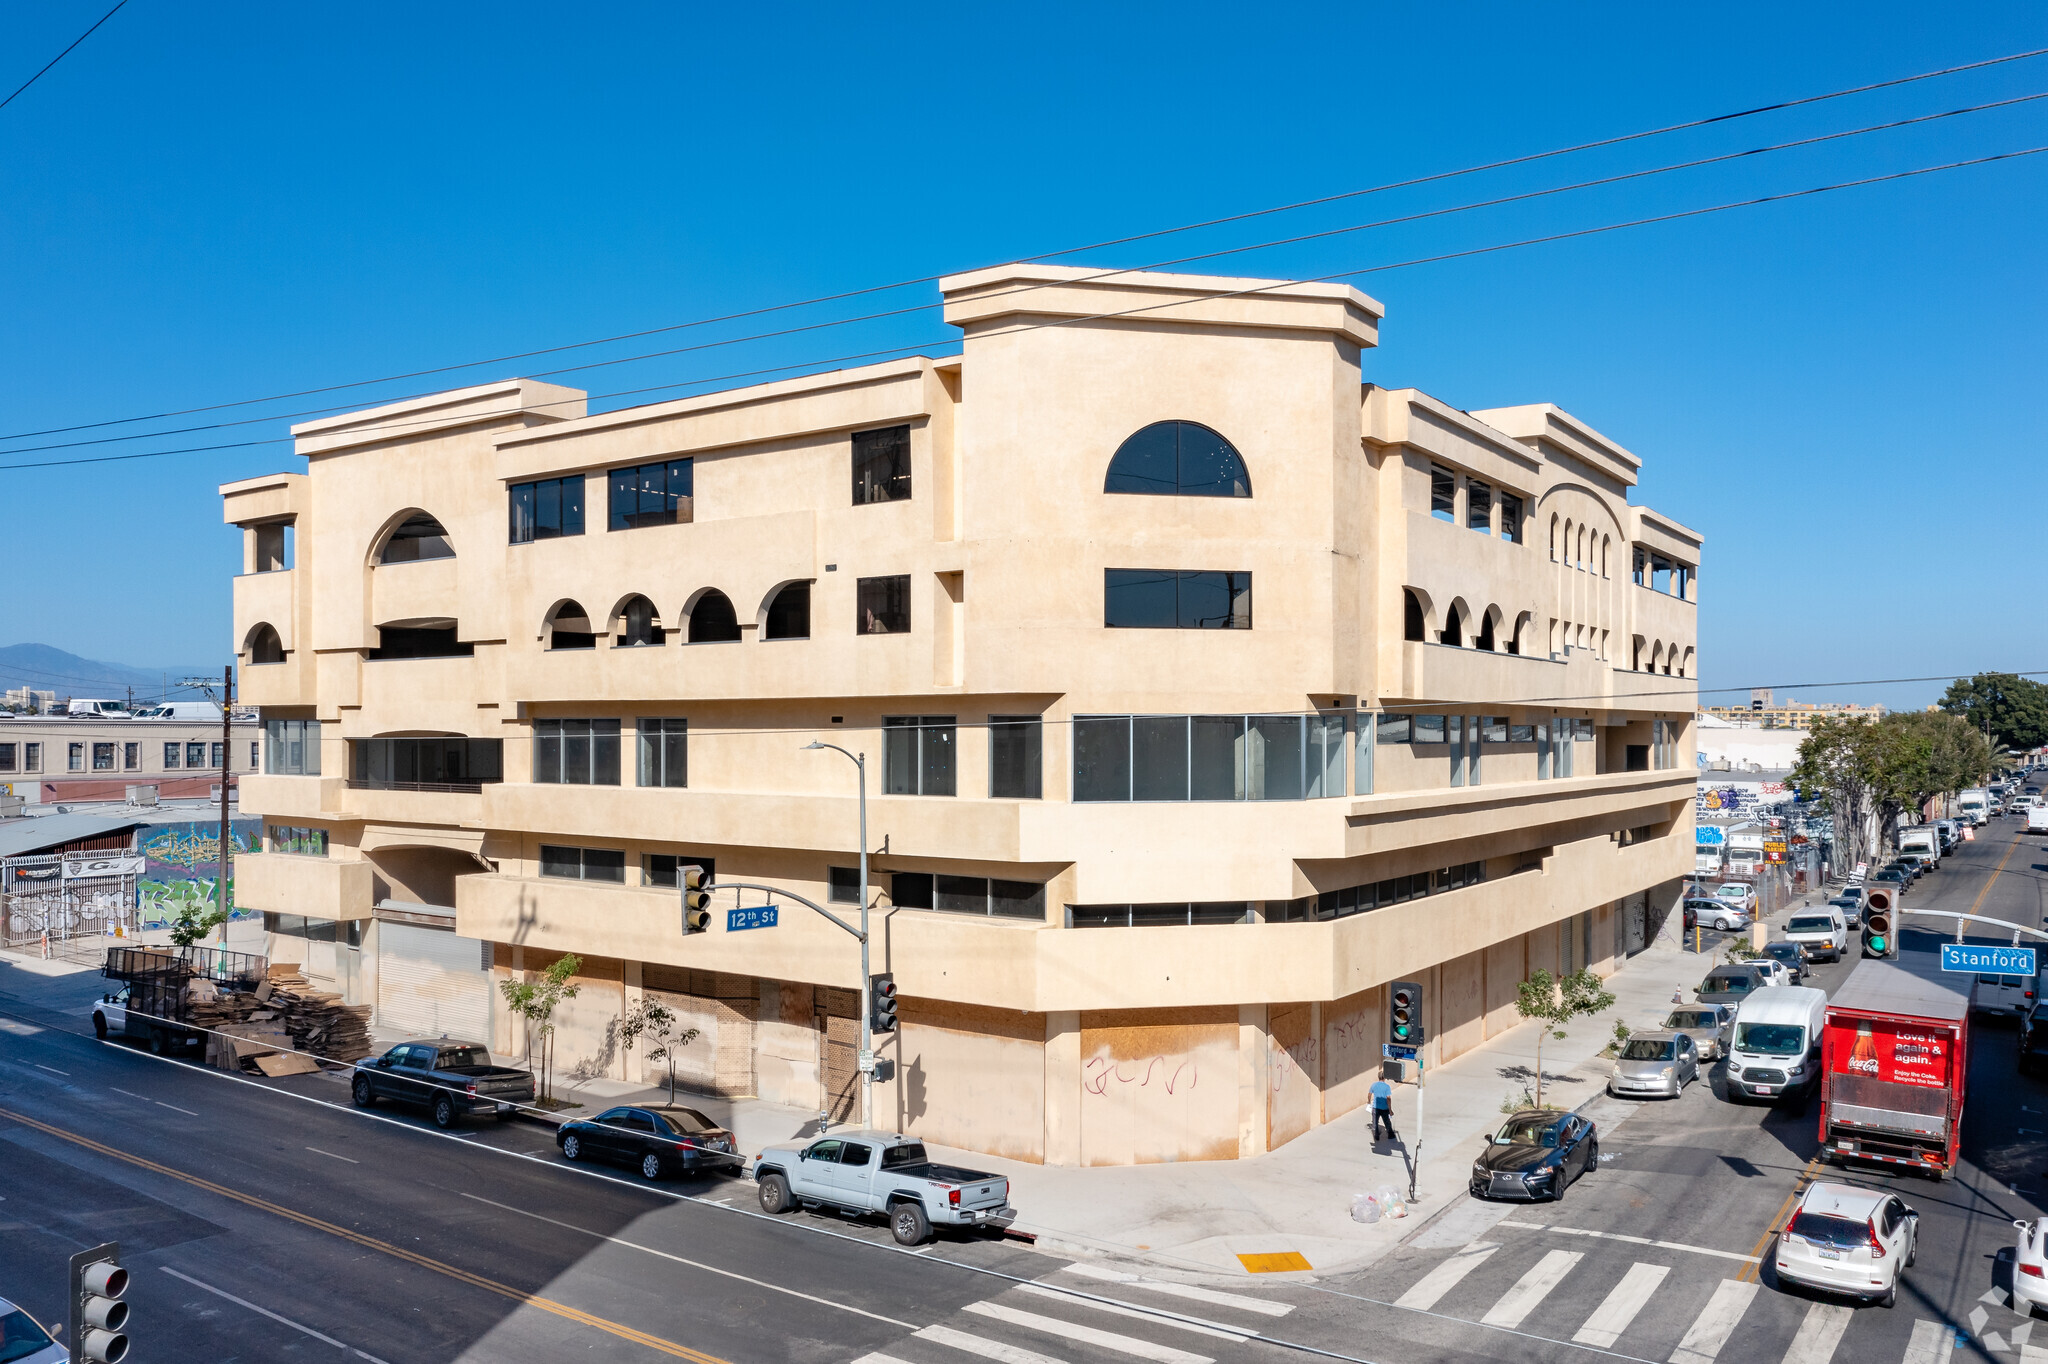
1205, 687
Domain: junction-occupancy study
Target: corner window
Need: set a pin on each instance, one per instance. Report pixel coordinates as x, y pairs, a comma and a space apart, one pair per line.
881, 465
988, 896
576, 752
1015, 766
1178, 459
293, 748
1169, 599
663, 751
917, 755
418, 537
650, 495
547, 509
882, 605
1443, 494
583, 864
1479, 506
1208, 757
297, 840
446, 762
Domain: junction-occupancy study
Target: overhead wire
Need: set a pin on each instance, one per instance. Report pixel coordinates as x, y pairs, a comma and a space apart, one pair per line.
1349, 228
62, 55
1435, 177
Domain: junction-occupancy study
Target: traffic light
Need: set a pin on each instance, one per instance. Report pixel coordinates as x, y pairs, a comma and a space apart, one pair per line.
1880, 939
696, 899
98, 1316
1404, 1014
882, 1003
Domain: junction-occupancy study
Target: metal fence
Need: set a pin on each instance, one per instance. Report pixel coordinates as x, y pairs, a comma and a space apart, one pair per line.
68, 908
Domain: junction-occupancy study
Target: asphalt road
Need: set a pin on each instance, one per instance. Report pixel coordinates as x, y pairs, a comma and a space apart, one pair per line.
270, 1220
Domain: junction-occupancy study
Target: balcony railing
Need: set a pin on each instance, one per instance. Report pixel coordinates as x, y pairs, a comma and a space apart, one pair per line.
458, 788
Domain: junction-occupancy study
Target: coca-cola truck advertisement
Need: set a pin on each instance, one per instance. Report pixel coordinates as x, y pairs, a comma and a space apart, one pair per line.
1895, 1055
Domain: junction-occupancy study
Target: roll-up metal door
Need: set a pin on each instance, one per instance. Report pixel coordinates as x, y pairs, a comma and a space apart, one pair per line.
432, 982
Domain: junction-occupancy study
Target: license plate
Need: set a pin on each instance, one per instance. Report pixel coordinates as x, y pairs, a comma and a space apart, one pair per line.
1760, 1089
1831, 1255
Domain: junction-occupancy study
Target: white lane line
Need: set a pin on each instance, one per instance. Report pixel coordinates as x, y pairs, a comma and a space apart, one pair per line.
372, 1358
330, 1155
877, 1357
174, 1108
1612, 1316
144, 1097
1819, 1334
1631, 1240
52, 1069
1129, 1309
987, 1349
1531, 1289
1215, 1296
1431, 1287
1932, 1343
694, 1264
1087, 1335
260, 1311
1710, 1329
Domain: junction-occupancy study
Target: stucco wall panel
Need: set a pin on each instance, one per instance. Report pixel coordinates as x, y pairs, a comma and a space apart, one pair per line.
1352, 1029
1463, 982
1159, 1086
1294, 1072
969, 1077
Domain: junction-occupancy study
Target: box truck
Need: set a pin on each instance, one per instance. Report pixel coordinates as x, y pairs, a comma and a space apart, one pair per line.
1895, 1053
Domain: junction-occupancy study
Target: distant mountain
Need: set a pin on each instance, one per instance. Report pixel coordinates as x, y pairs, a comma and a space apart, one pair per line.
47, 669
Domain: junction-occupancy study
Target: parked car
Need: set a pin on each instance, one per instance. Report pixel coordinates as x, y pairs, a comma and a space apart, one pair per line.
885, 1172
1773, 971
2033, 1040
1793, 957
1820, 932
1891, 876
451, 1080
1775, 1053
1729, 985
1715, 912
1708, 1025
654, 1141
1655, 1063
2004, 995
1737, 893
1850, 902
2030, 1266
24, 1341
1537, 1153
1849, 1240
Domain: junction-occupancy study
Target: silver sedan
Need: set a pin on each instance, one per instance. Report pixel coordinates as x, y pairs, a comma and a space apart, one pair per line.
1708, 1025
1660, 1062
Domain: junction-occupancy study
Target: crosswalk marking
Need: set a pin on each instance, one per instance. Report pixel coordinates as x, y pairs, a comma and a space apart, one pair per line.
1125, 1309
987, 1349
1710, 1329
1531, 1289
1819, 1334
1932, 1343
1612, 1317
1087, 1335
877, 1357
1431, 1287
1183, 1290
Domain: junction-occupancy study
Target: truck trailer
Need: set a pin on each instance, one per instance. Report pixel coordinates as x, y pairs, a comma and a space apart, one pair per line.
1895, 1055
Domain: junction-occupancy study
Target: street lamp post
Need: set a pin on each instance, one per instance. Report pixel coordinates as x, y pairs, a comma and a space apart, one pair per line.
867, 1042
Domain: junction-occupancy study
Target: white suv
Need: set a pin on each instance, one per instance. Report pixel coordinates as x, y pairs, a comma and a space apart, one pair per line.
1849, 1240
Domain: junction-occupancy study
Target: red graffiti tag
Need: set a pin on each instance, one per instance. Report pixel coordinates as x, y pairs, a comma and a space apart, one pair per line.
1100, 1071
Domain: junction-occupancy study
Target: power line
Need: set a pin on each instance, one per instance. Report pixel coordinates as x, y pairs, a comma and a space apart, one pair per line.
841, 296
61, 55
1419, 216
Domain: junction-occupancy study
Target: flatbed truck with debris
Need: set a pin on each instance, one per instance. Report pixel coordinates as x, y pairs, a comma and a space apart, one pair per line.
159, 986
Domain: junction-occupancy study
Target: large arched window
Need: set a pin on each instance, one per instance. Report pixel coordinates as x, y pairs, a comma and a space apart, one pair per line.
1178, 459
264, 645
569, 628
418, 537
1487, 623
789, 614
713, 621
1454, 627
1414, 624
639, 624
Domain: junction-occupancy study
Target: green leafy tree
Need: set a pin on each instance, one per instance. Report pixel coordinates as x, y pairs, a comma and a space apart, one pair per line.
1841, 759
2012, 710
656, 1022
535, 1001
195, 920
1553, 1002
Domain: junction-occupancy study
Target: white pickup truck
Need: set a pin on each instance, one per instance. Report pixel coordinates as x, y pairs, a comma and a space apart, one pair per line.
885, 1172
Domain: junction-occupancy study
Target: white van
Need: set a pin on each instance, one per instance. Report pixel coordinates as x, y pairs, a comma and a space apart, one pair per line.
1823, 931
1924, 839
1775, 1052
79, 708
195, 711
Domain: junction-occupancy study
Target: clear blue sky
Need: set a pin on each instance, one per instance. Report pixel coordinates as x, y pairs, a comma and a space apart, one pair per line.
206, 203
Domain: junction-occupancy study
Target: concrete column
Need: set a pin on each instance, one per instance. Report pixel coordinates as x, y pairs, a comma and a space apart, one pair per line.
1252, 1043
1315, 1035
631, 1000
1063, 1087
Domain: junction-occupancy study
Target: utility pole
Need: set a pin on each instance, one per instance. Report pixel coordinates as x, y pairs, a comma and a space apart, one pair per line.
866, 1059
205, 686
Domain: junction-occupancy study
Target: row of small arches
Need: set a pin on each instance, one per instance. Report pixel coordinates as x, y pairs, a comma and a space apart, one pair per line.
708, 617
1582, 547
1462, 627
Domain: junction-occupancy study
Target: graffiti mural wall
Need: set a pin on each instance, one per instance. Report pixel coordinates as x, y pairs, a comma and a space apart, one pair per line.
182, 867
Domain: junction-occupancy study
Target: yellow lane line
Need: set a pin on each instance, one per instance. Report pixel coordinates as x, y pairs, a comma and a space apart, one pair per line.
1751, 1270
652, 1342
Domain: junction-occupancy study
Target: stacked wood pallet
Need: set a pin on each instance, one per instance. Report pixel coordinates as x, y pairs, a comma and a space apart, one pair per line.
316, 1020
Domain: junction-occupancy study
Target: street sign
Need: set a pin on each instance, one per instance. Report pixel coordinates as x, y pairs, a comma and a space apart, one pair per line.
1393, 1053
1990, 961
751, 916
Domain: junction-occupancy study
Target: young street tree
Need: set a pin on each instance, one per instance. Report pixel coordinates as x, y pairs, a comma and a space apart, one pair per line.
2013, 710
655, 1021
536, 1002
1554, 1003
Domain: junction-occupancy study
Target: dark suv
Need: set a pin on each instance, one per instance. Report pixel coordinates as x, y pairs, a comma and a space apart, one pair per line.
2033, 1041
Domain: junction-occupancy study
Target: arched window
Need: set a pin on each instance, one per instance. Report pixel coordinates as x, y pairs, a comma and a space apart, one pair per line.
1178, 459
569, 628
1568, 561
1413, 623
1522, 624
1454, 628
639, 625
1485, 640
789, 614
264, 645
1606, 547
713, 621
1553, 538
418, 537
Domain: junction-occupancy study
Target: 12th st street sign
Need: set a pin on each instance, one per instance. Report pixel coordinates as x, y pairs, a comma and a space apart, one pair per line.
752, 916
1990, 961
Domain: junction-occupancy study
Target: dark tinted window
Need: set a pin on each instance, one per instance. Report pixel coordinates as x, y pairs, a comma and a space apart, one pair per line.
853, 1153
789, 615
419, 642
381, 762
547, 509
713, 621
656, 494
576, 752
882, 605
419, 536
881, 465
1015, 758
917, 755
1168, 599
1178, 458
909, 1153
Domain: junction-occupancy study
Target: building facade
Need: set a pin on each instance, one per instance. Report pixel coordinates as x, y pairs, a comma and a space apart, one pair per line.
1203, 689
47, 759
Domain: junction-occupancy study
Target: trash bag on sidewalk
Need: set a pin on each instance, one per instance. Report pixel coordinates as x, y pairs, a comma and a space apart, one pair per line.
1390, 1201
1365, 1208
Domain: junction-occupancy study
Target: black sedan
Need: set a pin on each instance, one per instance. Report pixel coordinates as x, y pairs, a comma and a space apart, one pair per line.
1536, 1154
1797, 963
654, 1141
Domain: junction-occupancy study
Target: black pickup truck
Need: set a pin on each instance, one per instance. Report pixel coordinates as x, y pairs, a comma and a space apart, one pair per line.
451, 1080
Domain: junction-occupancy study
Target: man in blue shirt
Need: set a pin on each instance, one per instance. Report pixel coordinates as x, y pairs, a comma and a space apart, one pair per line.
1383, 1109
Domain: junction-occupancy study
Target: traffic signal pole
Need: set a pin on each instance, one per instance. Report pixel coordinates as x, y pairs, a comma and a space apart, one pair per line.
867, 1007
